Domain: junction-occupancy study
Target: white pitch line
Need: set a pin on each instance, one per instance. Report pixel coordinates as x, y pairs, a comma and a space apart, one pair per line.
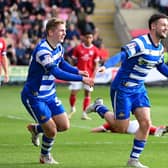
27, 119
15, 117
86, 143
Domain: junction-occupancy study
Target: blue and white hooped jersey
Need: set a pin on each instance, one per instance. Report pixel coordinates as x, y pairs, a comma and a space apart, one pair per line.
142, 56
39, 80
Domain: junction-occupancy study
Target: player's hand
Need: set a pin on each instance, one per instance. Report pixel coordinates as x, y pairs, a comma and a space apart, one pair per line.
101, 69
88, 81
84, 73
6, 79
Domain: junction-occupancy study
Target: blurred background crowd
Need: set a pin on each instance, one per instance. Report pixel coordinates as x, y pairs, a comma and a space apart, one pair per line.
22, 25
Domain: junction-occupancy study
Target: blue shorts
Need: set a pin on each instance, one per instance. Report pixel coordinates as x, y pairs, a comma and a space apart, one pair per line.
124, 103
41, 110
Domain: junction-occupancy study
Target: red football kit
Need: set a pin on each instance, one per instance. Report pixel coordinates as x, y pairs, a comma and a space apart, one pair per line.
86, 58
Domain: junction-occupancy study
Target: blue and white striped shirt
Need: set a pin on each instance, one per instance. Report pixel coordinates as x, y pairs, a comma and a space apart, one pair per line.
46, 64
141, 56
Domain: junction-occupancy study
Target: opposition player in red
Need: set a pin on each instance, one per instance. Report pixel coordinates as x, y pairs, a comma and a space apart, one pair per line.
86, 57
3, 61
132, 128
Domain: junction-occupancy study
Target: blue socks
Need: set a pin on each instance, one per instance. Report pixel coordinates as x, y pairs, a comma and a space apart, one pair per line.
101, 110
137, 149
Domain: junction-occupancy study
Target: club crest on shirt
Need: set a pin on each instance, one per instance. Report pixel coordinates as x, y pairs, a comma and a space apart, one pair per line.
91, 52
85, 57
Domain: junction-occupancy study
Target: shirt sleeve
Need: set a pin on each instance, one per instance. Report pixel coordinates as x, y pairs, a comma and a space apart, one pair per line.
64, 65
114, 60
63, 75
133, 48
163, 68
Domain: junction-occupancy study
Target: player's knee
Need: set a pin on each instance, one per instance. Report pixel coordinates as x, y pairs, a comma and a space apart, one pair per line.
63, 127
145, 125
51, 133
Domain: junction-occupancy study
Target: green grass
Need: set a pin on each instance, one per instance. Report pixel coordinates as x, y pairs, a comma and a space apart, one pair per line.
77, 147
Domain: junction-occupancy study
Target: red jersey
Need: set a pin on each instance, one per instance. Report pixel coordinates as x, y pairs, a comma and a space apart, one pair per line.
86, 58
2, 48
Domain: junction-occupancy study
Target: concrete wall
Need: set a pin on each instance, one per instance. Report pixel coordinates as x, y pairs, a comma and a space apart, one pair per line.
130, 19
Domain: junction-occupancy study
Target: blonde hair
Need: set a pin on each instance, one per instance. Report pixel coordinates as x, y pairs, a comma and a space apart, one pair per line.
53, 23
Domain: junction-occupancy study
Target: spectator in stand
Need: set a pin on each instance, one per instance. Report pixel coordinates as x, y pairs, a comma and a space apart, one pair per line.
25, 40
163, 6
22, 17
15, 14
88, 6
86, 25
72, 18
86, 57
2, 28
71, 32
76, 5
81, 15
10, 43
126, 4
20, 52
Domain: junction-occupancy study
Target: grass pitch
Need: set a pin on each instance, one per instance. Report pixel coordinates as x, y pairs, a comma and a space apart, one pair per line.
77, 147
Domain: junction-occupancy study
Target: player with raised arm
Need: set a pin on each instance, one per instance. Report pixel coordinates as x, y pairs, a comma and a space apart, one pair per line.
39, 93
128, 93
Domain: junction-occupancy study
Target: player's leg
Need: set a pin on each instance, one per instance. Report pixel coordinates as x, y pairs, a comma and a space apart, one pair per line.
58, 122
72, 100
102, 128
74, 87
34, 129
143, 116
48, 138
132, 127
86, 101
41, 113
62, 122
141, 109
123, 103
158, 130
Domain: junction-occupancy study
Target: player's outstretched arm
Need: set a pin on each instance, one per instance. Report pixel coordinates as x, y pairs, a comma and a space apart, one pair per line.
163, 68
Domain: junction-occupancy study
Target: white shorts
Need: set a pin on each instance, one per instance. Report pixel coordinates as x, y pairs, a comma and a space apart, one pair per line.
79, 86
